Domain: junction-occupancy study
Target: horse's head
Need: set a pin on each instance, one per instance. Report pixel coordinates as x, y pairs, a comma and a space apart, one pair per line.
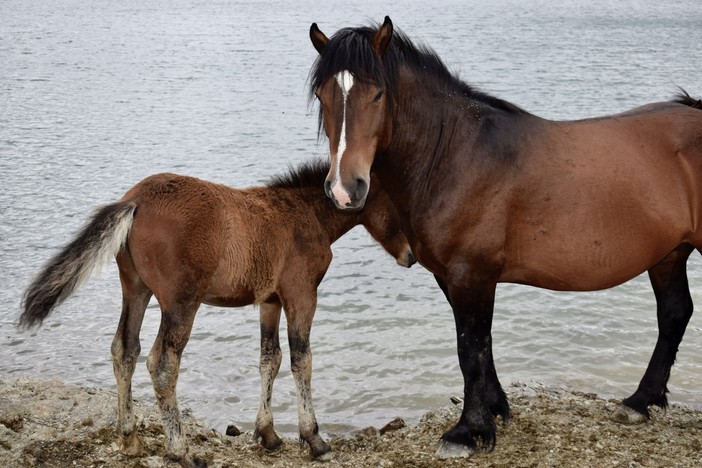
382, 221
350, 82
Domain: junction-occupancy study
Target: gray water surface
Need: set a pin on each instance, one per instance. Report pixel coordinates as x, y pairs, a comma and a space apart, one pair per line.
96, 96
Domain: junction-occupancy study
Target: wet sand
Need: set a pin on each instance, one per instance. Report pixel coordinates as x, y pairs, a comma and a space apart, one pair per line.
48, 423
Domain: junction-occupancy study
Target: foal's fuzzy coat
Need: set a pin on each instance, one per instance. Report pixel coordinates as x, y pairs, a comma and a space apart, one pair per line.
187, 242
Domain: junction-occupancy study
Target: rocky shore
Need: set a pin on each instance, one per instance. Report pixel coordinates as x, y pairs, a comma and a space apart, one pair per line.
51, 424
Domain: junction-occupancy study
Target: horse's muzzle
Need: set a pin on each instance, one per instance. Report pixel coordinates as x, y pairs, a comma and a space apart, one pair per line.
351, 198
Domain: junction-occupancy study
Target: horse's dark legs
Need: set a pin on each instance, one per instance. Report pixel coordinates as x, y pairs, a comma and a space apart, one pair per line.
299, 315
164, 364
674, 307
125, 351
483, 395
271, 357
496, 398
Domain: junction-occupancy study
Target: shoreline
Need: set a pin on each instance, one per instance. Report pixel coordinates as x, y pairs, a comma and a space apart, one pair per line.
50, 423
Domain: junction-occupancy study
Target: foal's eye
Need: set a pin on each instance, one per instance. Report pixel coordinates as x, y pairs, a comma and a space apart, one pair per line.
378, 97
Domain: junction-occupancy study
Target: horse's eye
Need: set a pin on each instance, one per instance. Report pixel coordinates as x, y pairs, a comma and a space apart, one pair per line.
378, 97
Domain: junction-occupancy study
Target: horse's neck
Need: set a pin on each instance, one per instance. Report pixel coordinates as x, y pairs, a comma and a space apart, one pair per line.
427, 124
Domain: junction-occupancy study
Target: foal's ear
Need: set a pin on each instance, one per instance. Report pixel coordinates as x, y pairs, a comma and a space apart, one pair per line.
381, 40
319, 40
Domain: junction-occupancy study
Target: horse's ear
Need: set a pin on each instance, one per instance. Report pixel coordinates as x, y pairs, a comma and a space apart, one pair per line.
381, 40
319, 40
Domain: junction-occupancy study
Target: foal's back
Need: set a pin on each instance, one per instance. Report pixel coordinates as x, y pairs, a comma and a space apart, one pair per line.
222, 245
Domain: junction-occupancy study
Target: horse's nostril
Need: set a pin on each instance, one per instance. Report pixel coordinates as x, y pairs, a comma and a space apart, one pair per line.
327, 188
361, 188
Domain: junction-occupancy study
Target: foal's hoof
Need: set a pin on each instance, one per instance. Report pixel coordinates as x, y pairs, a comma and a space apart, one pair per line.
269, 440
321, 451
196, 462
187, 461
132, 446
626, 415
453, 450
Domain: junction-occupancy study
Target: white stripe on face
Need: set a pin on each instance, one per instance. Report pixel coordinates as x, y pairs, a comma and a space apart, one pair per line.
345, 81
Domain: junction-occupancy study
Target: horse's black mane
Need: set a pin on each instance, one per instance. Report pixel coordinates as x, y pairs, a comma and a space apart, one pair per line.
351, 49
307, 174
683, 98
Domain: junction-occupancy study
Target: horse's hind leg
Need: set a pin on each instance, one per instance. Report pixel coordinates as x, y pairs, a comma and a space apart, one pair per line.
674, 309
164, 364
299, 314
271, 357
125, 351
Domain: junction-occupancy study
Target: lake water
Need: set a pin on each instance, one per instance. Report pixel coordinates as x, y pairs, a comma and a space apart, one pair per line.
94, 96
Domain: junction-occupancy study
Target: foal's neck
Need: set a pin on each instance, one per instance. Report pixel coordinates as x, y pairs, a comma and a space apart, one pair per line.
333, 221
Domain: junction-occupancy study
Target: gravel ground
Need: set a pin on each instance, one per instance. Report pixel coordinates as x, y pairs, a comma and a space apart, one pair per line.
48, 423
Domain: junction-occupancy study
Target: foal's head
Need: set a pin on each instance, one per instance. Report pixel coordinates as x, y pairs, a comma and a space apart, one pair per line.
350, 81
382, 221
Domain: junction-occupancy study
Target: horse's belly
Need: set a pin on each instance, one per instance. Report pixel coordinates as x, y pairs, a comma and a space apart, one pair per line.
585, 265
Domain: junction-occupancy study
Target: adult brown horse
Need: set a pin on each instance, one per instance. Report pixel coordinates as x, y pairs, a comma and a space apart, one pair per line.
489, 193
187, 242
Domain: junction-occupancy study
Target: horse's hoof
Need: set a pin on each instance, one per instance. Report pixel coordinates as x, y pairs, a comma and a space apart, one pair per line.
453, 450
626, 415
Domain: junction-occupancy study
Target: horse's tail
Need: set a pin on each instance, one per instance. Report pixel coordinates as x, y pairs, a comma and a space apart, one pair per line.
683, 98
100, 240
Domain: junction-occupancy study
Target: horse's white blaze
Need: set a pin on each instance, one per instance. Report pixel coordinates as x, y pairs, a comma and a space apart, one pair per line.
345, 81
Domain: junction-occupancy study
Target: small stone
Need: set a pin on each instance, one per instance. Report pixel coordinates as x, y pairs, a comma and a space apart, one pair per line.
12, 421
233, 431
392, 426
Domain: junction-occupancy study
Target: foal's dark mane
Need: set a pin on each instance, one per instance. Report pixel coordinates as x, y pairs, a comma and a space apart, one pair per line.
307, 174
350, 49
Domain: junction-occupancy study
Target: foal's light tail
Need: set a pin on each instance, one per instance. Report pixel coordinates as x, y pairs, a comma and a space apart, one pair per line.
98, 242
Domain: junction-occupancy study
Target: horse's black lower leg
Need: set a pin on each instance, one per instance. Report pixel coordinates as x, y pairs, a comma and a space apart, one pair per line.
496, 398
483, 394
674, 309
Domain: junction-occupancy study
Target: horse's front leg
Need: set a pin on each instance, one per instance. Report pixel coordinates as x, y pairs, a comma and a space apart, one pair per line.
271, 357
483, 394
497, 400
299, 315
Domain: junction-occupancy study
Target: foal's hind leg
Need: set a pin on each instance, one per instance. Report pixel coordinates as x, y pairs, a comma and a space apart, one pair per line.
125, 351
674, 306
299, 314
271, 357
164, 364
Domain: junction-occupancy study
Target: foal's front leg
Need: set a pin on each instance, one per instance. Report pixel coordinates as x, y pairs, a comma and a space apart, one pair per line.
483, 394
299, 318
271, 357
